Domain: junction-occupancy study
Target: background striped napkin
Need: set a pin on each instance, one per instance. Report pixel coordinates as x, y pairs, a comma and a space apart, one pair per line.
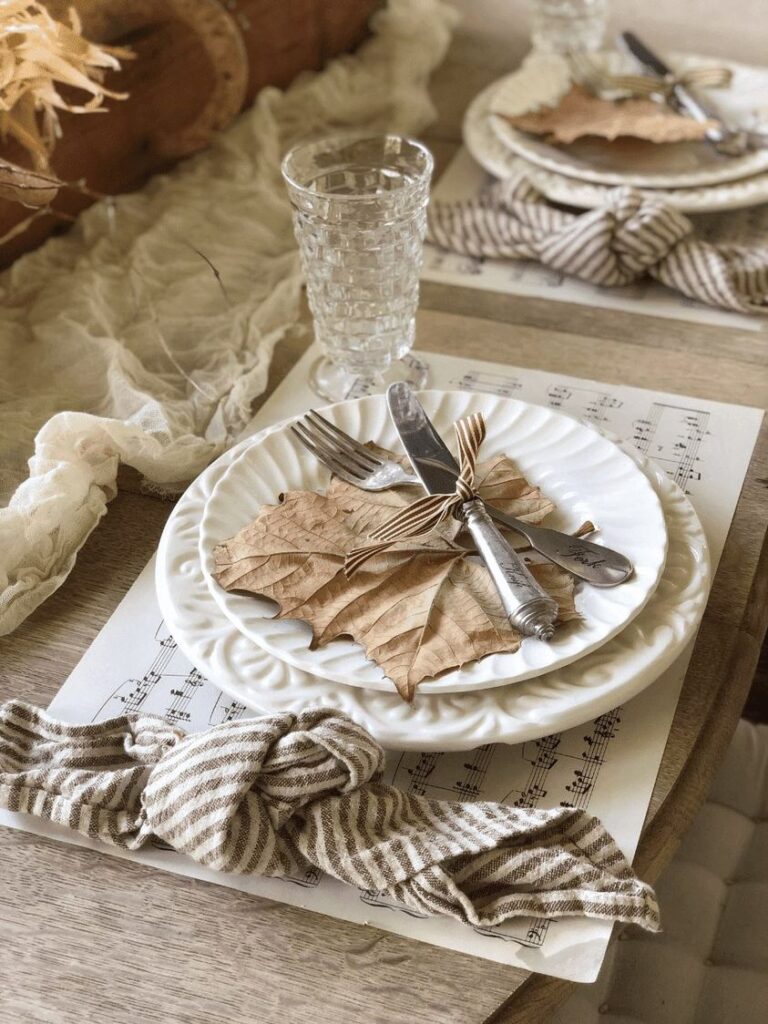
632, 235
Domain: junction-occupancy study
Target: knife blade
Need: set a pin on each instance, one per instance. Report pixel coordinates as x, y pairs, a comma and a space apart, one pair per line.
684, 98
647, 57
430, 457
528, 607
437, 469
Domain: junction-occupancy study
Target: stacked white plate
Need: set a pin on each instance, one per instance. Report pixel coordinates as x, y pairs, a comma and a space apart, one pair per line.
625, 638
691, 176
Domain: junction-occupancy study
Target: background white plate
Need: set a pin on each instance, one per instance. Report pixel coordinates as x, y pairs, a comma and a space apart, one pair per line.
586, 476
487, 149
509, 714
634, 162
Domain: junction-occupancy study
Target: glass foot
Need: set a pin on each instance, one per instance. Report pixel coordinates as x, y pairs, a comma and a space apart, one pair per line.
335, 384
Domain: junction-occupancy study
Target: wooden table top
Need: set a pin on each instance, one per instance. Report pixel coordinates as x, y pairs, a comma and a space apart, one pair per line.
85, 935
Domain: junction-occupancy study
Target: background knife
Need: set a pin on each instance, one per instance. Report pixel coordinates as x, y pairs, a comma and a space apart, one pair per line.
684, 99
529, 608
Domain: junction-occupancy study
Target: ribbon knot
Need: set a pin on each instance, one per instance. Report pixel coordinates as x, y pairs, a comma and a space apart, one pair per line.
424, 515
598, 81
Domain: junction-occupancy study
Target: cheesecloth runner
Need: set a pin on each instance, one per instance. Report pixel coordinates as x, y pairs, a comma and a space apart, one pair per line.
272, 795
117, 343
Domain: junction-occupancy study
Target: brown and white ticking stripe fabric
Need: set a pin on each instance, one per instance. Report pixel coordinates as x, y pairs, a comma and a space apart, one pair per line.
422, 516
273, 795
630, 236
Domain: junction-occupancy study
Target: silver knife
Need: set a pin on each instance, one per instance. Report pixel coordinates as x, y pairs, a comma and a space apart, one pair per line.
727, 139
529, 608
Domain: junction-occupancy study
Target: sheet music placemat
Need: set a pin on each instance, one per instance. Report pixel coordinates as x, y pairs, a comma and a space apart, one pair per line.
463, 179
608, 765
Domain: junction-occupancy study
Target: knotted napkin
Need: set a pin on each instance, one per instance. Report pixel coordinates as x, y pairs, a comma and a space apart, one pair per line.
274, 795
422, 516
631, 235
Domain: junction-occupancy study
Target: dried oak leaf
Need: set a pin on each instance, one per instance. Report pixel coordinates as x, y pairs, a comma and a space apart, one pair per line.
580, 113
416, 615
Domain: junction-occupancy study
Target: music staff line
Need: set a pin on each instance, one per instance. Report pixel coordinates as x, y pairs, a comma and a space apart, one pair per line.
173, 694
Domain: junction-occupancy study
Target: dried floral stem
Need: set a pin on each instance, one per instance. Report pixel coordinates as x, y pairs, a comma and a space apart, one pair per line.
42, 211
213, 267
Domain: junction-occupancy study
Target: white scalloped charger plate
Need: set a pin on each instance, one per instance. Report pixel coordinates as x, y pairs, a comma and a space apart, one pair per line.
579, 469
508, 714
488, 150
635, 162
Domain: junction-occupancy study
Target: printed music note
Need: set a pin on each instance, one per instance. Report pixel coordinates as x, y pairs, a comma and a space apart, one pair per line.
226, 711
502, 385
537, 931
421, 772
674, 436
587, 403
580, 785
171, 688
530, 796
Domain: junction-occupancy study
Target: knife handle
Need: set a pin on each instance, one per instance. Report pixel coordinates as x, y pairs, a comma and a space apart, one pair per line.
700, 110
598, 565
529, 608
684, 99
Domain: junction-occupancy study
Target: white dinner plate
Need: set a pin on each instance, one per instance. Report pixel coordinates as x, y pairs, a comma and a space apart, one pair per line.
628, 161
509, 714
586, 476
499, 160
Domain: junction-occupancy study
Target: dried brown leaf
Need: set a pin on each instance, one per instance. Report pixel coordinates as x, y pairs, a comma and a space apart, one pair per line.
580, 113
29, 188
419, 609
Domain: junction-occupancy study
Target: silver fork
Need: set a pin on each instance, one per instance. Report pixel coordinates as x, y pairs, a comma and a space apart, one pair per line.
353, 462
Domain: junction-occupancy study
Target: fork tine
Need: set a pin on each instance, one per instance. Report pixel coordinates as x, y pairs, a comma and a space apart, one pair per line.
338, 435
336, 468
308, 442
343, 452
326, 455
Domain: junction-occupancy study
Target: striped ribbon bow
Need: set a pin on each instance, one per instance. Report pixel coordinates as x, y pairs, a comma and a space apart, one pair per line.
289, 794
599, 81
423, 516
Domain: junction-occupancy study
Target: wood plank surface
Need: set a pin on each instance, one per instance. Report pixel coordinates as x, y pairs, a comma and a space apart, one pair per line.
86, 936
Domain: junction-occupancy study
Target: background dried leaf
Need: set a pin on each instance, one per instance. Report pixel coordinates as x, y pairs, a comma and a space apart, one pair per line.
579, 113
29, 188
414, 616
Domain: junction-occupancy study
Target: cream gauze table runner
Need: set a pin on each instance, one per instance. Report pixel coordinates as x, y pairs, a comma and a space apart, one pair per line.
122, 322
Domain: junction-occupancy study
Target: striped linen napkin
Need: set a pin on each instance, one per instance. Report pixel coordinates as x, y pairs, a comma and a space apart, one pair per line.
631, 235
275, 795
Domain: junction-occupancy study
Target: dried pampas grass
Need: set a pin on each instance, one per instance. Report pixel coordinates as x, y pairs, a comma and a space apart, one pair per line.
37, 55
